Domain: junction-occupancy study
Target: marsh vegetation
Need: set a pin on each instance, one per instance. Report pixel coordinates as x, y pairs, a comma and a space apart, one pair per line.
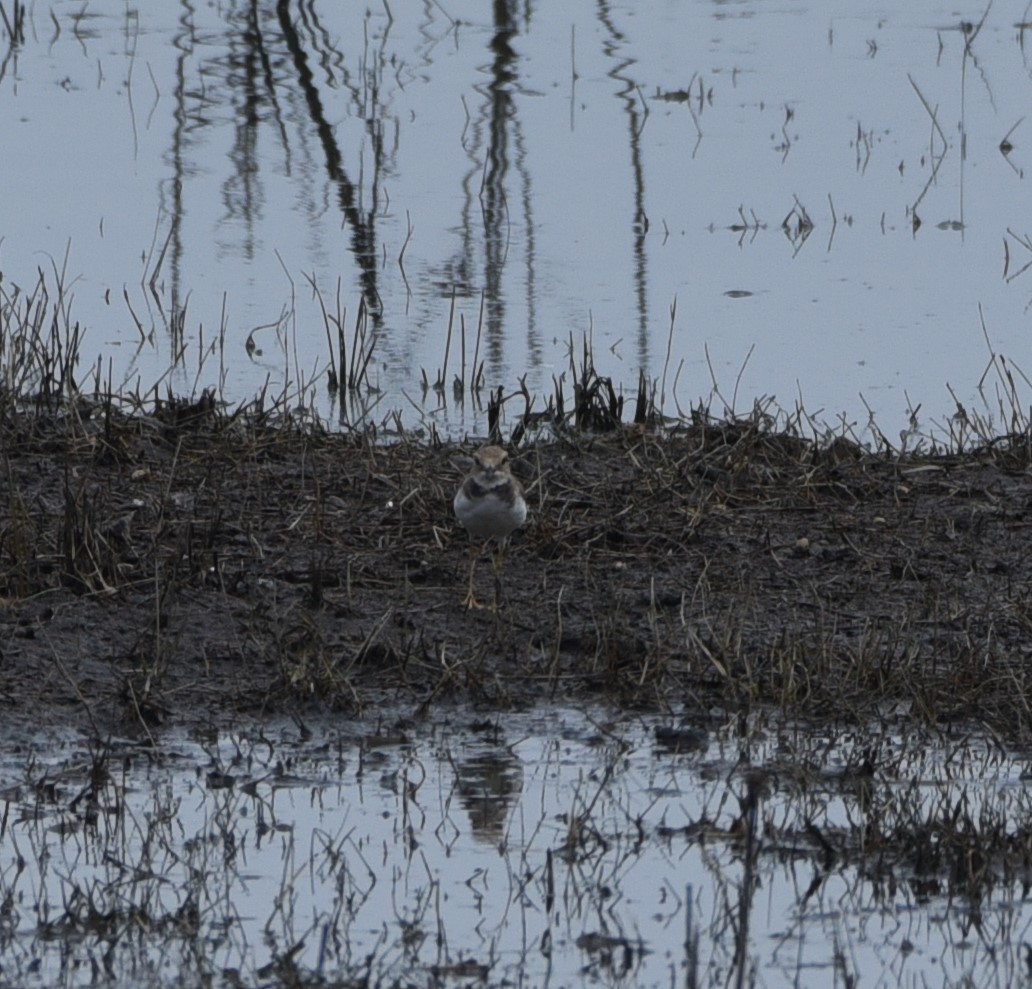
231, 636
753, 703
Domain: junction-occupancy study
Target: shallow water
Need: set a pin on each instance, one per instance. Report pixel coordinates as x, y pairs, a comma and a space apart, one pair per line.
539, 848
576, 167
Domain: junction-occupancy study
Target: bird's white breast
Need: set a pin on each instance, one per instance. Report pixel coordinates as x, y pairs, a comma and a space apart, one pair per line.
493, 514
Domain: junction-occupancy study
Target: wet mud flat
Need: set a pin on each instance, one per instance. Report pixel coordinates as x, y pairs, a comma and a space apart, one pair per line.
186, 569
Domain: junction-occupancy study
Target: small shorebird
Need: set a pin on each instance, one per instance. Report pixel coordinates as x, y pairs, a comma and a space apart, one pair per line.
489, 504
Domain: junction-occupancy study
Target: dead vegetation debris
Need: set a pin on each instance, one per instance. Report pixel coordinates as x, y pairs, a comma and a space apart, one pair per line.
185, 568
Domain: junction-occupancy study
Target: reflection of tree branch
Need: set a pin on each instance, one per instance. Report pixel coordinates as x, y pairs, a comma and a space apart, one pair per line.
493, 141
15, 28
363, 243
936, 160
268, 75
493, 201
241, 191
180, 130
630, 95
749, 822
970, 33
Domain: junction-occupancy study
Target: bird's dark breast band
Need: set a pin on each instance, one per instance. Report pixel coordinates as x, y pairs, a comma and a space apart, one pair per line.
503, 492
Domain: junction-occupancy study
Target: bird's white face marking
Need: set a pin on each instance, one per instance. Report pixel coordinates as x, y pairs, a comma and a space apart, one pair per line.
491, 457
492, 467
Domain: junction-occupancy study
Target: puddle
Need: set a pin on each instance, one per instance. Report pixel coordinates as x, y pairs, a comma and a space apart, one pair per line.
532, 849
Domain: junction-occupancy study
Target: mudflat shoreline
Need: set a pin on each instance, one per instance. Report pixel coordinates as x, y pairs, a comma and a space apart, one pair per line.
191, 571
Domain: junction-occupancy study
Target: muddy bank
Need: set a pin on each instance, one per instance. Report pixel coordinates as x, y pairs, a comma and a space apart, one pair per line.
159, 570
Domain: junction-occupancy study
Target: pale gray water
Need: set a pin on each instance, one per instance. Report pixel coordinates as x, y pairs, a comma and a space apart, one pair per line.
392, 852
534, 162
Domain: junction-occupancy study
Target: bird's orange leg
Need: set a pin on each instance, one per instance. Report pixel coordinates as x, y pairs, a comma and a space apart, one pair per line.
470, 600
497, 559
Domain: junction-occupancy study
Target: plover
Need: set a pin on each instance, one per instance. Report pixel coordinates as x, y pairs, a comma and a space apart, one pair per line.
489, 504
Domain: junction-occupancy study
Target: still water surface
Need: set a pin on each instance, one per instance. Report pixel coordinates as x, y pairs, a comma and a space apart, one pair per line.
828, 192
542, 848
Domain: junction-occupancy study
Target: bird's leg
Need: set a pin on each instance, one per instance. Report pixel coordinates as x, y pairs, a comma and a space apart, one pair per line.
470, 601
497, 590
497, 559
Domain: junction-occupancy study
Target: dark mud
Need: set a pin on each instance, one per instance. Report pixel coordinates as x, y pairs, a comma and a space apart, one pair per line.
187, 570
